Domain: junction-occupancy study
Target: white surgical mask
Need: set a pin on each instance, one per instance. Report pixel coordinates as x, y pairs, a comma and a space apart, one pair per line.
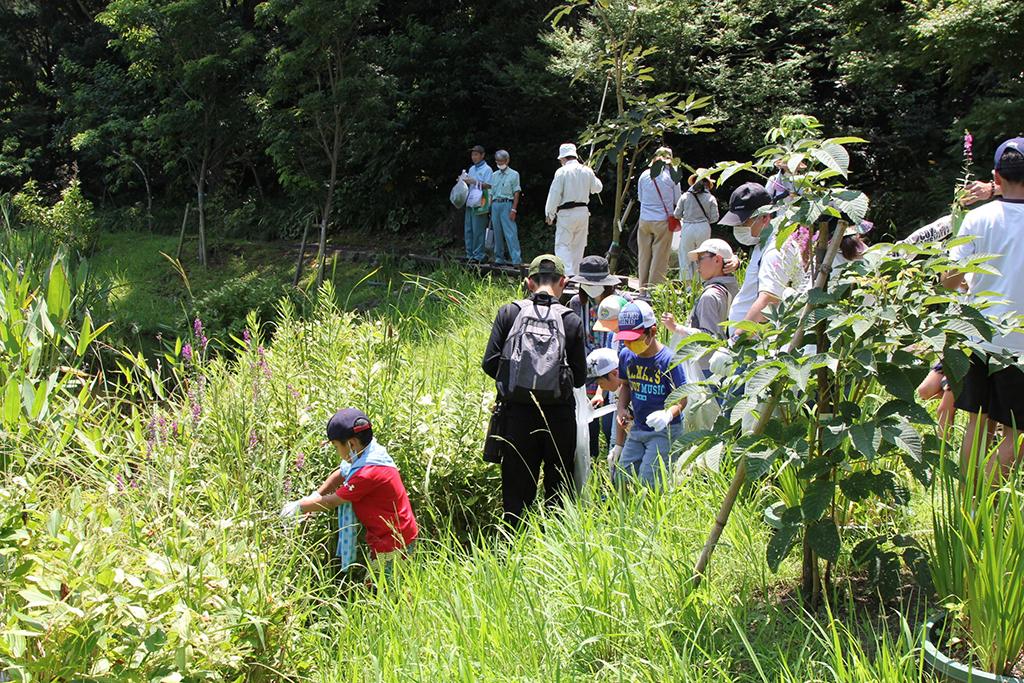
593, 291
502, 166
744, 236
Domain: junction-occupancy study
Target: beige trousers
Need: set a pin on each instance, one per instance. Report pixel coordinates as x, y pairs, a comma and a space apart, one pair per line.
654, 242
571, 227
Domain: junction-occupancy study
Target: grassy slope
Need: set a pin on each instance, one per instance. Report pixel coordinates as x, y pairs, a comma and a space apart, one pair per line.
596, 593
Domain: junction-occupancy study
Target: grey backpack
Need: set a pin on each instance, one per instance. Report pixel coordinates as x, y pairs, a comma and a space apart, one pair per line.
535, 353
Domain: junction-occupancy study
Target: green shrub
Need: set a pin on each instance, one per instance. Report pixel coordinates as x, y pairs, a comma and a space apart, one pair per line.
70, 222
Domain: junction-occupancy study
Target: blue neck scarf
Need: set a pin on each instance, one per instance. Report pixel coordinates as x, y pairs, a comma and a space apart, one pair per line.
348, 525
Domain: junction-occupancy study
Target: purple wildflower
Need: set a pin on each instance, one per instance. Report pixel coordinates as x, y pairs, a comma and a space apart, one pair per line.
203, 341
174, 428
300, 461
968, 146
186, 352
197, 327
287, 487
119, 480
197, 410
254, 439
246, 336
262, 352
294, 392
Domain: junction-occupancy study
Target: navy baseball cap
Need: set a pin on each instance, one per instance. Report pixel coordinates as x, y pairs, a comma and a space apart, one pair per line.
346, 423
744, 201
634, 318
1012, 143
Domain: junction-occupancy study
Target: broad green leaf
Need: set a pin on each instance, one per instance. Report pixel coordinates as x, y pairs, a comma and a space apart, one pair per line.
834, 157
823, 538
58, 293
817, 498
779, 545
866, 439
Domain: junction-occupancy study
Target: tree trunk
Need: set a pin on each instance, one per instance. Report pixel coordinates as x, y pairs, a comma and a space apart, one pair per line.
809, 577
302, 253
328, 205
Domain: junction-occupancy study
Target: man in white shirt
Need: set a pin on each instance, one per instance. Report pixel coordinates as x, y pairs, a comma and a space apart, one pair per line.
772, 270
567, 204
997, 398
658, 197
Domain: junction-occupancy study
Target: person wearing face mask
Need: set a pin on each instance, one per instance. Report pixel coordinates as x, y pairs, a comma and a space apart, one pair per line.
370, 490
596, 284
649, 373
505, 191
772, 269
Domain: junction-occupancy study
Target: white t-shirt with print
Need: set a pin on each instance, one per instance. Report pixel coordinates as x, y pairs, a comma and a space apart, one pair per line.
781, 268
998, 228
771, 270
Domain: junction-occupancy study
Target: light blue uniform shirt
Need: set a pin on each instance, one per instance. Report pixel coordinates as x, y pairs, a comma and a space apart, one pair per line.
504, 184
481, 172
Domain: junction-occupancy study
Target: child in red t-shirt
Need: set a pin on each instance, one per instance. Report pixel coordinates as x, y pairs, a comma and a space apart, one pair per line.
372, 485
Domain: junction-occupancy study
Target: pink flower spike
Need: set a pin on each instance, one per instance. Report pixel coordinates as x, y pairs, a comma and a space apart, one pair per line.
186, 352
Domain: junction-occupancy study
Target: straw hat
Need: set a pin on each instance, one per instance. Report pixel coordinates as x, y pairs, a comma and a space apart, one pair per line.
693, 178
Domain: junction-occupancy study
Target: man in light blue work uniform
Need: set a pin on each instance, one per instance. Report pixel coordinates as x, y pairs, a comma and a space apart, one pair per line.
505, 191
478, 177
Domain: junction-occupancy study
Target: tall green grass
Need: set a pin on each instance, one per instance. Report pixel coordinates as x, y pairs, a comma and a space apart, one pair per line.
147, 546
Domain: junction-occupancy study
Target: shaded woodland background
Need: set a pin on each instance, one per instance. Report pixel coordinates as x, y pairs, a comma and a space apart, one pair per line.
263, 108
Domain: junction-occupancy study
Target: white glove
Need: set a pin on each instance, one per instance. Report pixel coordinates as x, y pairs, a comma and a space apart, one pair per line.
613, 457
290, 510
720, 361
659, 419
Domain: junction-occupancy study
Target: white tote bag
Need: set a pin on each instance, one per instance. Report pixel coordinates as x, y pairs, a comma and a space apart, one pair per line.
581, 464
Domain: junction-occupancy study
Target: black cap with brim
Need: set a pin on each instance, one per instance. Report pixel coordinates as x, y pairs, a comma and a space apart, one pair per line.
346, 423
744, 202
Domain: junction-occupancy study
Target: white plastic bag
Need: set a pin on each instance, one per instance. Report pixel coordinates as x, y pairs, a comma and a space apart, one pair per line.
459, 193
475, 197
581, 464
489, 240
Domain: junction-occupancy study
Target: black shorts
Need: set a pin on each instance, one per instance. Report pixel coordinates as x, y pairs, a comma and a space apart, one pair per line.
999, 395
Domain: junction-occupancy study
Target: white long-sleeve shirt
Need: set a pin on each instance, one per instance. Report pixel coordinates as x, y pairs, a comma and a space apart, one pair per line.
573, 182
652, 208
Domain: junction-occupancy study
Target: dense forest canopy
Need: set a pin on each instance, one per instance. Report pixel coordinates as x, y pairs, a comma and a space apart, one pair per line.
255, 106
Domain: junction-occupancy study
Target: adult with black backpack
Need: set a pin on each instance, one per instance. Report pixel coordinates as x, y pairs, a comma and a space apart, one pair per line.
536, 356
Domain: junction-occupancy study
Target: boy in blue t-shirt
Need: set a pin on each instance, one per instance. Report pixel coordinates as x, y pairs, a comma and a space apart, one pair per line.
648, 377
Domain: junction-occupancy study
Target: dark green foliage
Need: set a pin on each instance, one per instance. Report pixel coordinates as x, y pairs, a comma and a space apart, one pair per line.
135, 95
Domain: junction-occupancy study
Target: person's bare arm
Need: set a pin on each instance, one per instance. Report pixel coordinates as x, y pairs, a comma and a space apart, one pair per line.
621, 413
332, 483
763, 301
315, 502
953, 279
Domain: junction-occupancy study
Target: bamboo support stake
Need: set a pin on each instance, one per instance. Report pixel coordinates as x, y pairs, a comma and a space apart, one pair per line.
302, 253
181, 235
722, 517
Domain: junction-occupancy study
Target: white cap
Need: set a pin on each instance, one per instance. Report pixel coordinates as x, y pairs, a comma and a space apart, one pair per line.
713, 246
567, 150
600, 362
